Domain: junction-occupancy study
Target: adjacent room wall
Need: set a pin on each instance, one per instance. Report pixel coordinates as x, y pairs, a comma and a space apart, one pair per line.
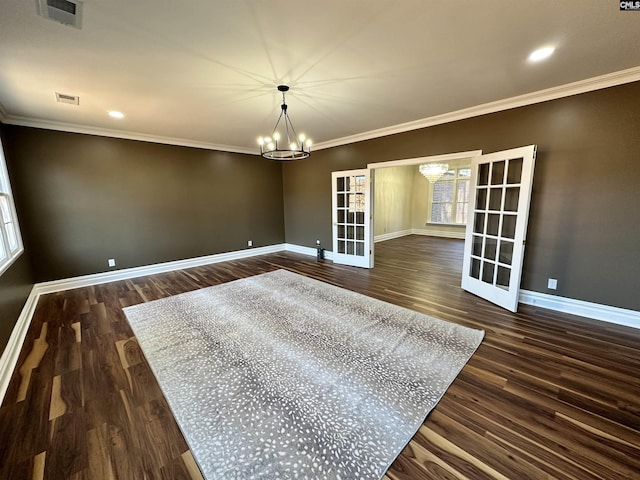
584, 226
84, 199
393, 200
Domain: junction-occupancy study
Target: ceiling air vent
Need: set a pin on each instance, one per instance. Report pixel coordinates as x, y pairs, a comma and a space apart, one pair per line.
68, 12
63, 98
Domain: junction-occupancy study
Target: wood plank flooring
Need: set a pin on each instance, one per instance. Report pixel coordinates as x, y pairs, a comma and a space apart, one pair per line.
546, 395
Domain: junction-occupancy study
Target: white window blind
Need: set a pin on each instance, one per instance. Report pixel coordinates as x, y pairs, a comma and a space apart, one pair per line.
450, 197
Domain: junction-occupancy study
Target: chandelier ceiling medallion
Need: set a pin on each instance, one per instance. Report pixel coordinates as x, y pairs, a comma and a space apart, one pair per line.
433, 171
286, 145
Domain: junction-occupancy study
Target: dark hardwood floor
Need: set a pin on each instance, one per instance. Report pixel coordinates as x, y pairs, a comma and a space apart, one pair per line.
546, 395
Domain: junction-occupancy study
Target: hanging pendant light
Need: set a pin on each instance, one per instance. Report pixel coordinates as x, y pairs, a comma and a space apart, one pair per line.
433, 171
286, 145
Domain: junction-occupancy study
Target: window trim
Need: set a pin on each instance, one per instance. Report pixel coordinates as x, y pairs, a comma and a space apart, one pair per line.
5, 190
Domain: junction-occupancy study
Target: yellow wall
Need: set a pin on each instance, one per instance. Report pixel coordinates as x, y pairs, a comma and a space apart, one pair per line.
393, 200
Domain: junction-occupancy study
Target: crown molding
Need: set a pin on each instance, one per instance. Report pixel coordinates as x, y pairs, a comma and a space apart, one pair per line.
104, 132
583, 86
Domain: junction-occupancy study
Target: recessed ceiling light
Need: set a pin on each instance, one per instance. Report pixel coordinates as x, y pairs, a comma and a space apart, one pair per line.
116, 114
541, 54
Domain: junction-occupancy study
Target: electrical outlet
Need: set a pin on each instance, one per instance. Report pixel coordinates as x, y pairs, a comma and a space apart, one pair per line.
111, 262
250, 243
552, 284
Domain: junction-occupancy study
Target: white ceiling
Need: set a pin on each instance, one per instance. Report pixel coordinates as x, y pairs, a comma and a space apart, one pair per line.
205, 72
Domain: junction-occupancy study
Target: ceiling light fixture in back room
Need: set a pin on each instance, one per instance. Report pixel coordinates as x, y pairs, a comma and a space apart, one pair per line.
433, 171
288, 145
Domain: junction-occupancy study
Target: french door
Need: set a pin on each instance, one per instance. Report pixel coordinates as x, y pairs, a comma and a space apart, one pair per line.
351, 217
497, 224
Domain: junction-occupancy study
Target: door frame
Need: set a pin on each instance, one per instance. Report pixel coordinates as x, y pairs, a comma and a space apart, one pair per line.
410, 162
418, 160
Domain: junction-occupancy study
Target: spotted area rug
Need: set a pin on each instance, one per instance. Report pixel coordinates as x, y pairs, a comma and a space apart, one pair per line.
280, 376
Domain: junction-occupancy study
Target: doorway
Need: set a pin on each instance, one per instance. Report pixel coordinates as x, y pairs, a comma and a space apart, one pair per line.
496, 209
354, 209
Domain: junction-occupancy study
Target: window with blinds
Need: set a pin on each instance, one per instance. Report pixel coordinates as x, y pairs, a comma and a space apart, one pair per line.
450, 197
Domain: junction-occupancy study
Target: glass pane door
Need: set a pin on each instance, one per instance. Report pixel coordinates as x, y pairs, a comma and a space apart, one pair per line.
496, 230
351, 217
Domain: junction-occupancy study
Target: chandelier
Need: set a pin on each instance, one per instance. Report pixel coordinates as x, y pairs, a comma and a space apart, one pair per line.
433, 171
285, 146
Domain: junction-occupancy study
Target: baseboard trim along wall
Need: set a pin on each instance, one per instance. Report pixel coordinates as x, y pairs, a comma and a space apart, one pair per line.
9, 359
434, 232
606, 313
127, 273
429, 232
11, 352
290, 247
391, 235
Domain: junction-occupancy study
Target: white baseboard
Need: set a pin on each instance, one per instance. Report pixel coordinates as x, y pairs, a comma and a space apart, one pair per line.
619, 316
391, 235
431, 232
434, 232
127, 273
11, 352
290, 247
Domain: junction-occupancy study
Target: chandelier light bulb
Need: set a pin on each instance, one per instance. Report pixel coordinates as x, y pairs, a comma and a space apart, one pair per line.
260, 141
276, 136
302, 137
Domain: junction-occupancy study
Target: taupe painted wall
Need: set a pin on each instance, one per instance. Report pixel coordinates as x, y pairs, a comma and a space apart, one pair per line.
84, 199
15, 283
584, 226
